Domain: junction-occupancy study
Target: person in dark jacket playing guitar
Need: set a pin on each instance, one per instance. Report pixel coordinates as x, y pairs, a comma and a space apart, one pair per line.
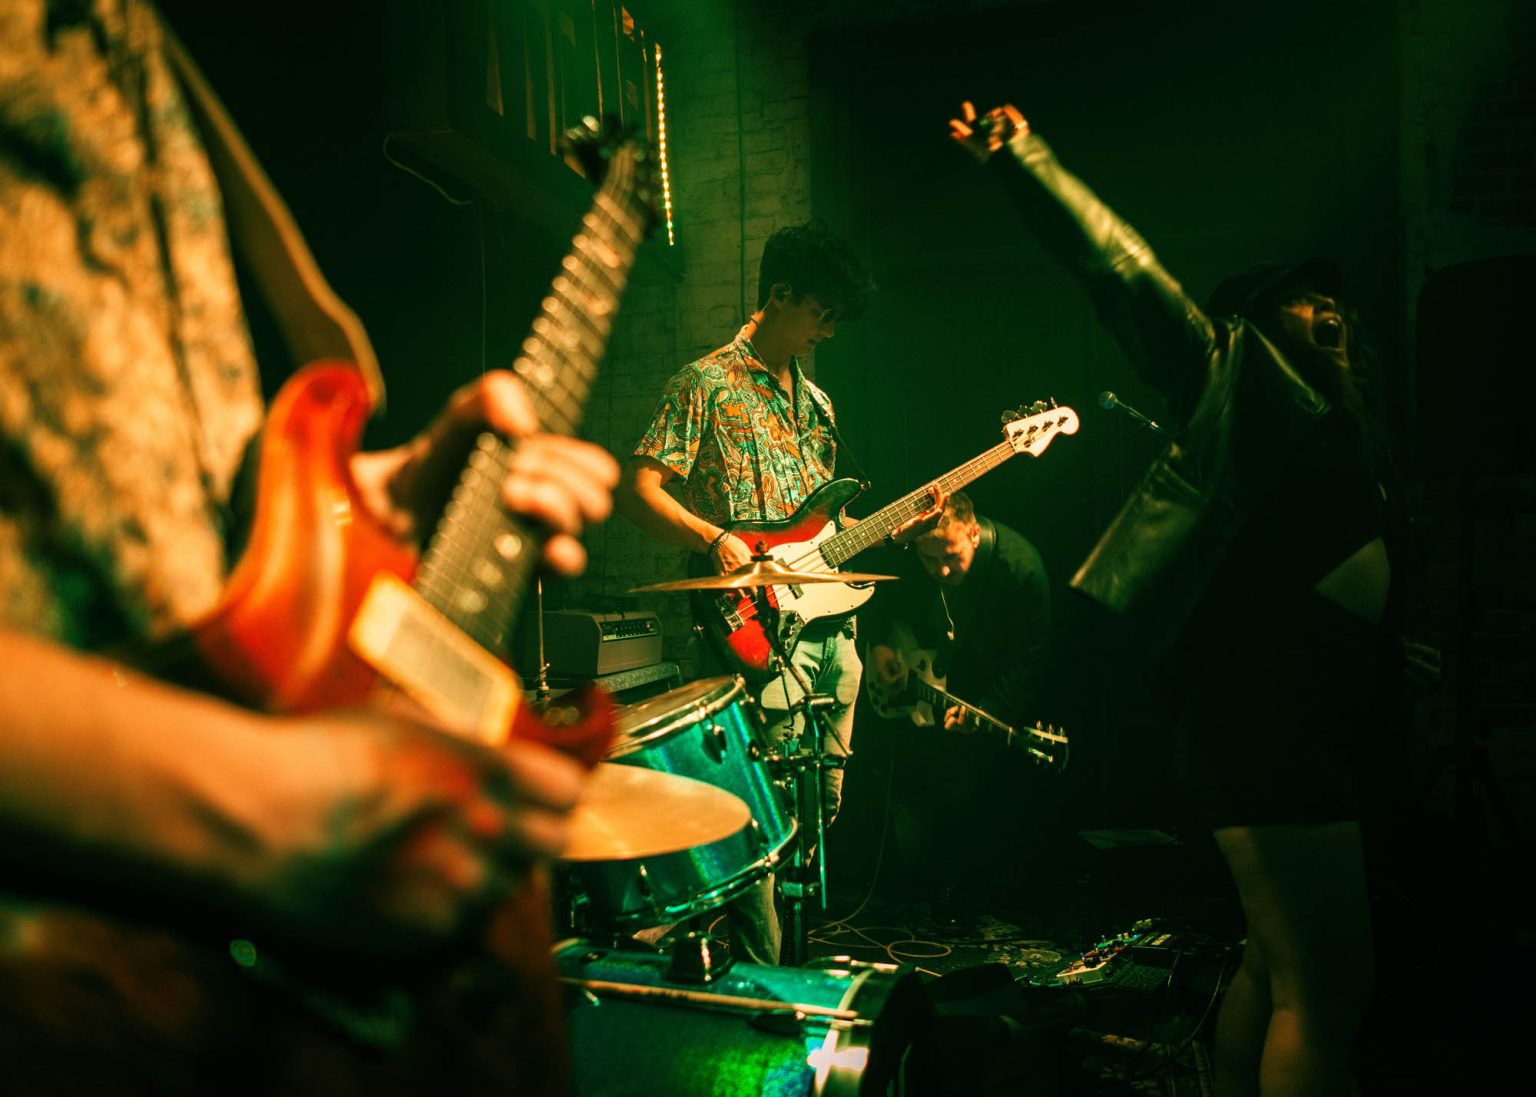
971, 615
746, 437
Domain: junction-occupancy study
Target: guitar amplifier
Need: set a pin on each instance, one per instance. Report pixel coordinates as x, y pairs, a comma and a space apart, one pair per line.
585, 644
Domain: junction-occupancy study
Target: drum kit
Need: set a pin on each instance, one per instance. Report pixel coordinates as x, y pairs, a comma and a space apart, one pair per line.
690, 809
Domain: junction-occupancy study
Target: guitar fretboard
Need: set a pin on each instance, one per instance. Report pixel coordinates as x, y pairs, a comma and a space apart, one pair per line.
842, 547
477, 568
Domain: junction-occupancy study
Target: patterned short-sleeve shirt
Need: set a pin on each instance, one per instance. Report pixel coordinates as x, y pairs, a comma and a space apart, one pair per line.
128, 386
724, 425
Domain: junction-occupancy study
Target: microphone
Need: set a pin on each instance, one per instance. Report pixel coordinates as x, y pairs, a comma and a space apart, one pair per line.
1110, 402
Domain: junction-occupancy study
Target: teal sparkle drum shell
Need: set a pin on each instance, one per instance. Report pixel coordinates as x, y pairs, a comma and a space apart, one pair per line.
706, 730
626, 1045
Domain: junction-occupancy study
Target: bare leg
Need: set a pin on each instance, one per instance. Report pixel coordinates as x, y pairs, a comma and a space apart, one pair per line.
1242, 1026
1303, 892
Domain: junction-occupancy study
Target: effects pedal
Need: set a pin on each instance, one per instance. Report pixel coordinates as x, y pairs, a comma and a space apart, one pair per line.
1141, 958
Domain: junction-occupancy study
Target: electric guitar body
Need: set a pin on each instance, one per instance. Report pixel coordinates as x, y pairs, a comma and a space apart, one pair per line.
734, 625
286, 639
921, 696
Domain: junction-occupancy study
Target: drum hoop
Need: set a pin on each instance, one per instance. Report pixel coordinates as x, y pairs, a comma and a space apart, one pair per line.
733, 686
721, 892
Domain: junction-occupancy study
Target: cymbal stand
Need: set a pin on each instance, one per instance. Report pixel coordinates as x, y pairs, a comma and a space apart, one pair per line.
796, 888
541, 691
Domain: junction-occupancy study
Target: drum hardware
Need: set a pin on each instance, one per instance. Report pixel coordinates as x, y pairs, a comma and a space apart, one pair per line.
800, 766
698, 958
541, 691
804, 767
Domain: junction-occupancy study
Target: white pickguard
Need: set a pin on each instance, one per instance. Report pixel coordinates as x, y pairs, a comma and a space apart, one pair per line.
813, 601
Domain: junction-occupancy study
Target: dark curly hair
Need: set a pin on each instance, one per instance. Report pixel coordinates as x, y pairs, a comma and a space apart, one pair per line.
812, 260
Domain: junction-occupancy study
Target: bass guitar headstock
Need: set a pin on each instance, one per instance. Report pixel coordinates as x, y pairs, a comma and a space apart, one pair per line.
1032, 428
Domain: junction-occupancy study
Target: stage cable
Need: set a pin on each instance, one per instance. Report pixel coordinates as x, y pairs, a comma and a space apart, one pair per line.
741, 177
879, 865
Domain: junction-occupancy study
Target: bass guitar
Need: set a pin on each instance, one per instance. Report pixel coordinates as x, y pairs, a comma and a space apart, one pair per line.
921, 695
813, 539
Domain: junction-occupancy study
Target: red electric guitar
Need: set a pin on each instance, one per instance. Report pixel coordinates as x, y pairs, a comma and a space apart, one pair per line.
326, 609
811, 540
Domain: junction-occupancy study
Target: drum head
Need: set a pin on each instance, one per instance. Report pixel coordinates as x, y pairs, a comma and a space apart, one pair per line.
659, 716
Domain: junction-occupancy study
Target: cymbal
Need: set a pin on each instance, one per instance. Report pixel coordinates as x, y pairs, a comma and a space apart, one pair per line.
762, 573
626, 812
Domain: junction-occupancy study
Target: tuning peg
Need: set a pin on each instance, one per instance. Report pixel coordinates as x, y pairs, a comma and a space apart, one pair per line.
1012, 415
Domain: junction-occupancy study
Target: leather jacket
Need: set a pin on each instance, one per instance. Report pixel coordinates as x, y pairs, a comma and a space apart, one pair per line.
1236, 404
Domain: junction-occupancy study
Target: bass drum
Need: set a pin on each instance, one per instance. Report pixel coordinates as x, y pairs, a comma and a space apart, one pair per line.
637, 1032
706, 730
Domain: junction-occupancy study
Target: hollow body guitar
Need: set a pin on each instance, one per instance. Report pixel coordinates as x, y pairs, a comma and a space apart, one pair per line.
814, 539
922, 696
326, 609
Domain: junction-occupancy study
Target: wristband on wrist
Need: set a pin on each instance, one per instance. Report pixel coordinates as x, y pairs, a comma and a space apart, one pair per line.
715, 544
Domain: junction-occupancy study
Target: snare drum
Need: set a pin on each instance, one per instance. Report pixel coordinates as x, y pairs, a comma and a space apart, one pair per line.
705, 730
634, 1032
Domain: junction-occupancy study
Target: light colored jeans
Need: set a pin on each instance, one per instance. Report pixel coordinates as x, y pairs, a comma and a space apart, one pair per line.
827, 656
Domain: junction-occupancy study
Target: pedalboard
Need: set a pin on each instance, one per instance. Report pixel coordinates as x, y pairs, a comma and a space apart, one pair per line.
1141, 958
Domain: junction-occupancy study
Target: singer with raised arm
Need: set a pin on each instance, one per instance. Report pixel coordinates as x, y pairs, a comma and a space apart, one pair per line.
1263, 585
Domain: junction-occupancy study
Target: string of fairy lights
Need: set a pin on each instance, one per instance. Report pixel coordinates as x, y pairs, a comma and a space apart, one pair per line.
661, 149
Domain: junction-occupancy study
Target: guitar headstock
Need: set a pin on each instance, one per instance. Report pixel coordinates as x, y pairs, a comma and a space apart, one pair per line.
607, 152
1031, 429
1047, 744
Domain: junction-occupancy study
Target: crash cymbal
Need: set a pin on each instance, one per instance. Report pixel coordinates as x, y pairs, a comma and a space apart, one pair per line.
626, 812
761, 573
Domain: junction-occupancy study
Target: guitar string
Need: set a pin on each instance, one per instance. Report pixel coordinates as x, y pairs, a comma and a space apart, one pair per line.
908, 507
609, 239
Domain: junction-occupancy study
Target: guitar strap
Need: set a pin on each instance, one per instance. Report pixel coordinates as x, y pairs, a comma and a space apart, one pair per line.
820, 400
314, 322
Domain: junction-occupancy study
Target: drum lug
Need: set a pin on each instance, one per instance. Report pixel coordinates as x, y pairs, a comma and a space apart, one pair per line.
714, 742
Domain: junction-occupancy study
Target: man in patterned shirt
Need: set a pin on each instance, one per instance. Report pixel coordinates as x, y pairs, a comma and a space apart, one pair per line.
129, 393
744, 436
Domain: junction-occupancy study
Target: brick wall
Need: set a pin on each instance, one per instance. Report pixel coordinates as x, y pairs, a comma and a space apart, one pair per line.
736, 97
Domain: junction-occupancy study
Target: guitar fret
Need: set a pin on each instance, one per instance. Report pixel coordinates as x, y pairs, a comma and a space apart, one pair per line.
477, 567
841, 547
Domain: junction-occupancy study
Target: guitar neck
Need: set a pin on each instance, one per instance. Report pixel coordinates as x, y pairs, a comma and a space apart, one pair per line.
480, 561
942, 700
870, 531
1047, 747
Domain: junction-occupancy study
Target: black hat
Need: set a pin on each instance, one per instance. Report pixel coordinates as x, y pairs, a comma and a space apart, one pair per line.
1240, 292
